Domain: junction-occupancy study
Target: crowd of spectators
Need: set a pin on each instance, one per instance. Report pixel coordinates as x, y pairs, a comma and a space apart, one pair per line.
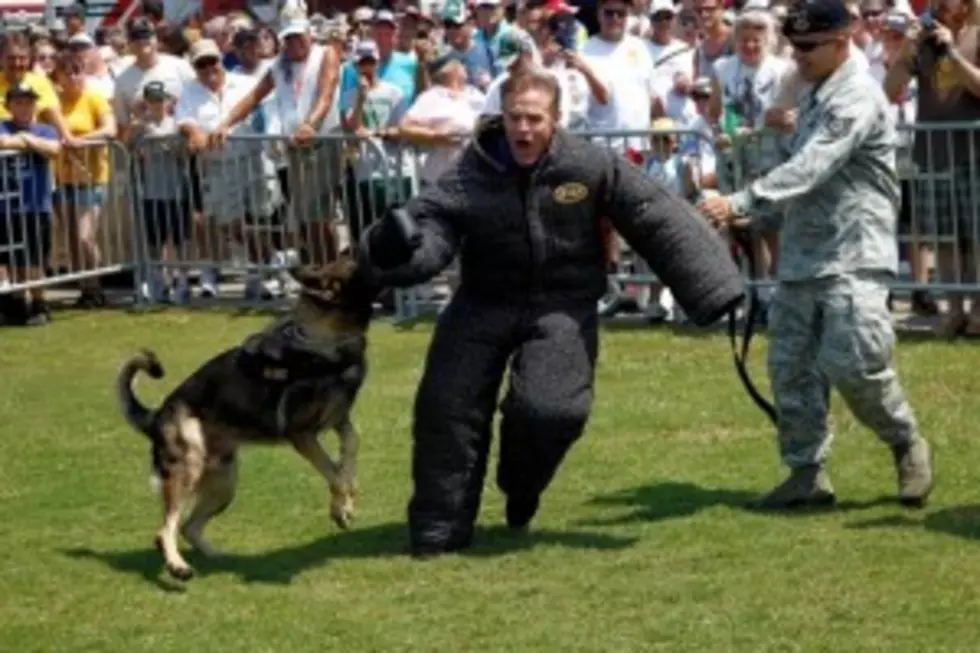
407, 86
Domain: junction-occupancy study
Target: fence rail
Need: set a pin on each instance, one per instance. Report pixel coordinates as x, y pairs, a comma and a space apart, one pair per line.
176, 218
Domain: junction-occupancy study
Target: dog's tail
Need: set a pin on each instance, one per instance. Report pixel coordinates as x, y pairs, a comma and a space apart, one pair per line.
139, 416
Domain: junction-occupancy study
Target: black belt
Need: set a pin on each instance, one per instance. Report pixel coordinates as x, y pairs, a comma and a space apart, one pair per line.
741, 355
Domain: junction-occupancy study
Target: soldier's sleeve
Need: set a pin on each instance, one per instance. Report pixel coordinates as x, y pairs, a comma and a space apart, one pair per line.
685, 253
436, 211
843, 128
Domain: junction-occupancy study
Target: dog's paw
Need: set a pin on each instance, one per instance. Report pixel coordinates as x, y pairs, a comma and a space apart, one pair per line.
181, 573
342, 513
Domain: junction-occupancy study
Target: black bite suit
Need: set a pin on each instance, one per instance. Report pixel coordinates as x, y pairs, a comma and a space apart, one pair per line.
533, 268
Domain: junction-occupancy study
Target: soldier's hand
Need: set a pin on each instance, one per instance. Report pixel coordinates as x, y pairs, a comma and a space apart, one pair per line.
718, 209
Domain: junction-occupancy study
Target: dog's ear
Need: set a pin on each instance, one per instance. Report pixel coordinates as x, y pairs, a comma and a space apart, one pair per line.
306, 276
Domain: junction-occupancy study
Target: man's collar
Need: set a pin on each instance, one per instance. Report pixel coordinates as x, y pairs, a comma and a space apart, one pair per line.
829, 86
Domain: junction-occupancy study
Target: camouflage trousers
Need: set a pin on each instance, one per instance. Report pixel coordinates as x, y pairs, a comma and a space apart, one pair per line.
834, 333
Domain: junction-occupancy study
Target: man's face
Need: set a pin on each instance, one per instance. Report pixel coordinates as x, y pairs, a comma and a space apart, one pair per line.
663, 25
296, 46
816, 55
209, 71
951, 13
144, 48
250, 53
408, 27
530, 119
74, 24
22, 110
709, 12
612, 19
17, 61
455, 34
872, 15
367, 67
156, 109
384, 35
487, 16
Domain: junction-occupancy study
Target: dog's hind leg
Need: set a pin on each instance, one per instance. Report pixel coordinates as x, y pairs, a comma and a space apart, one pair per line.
215, 492
349, 443
183, 464
341, 506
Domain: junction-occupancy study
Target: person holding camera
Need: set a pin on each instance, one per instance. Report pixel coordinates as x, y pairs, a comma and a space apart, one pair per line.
829, 324
941, 54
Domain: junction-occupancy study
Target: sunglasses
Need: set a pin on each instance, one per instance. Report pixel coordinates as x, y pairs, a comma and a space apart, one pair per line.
204, 64
872, 14
614, 13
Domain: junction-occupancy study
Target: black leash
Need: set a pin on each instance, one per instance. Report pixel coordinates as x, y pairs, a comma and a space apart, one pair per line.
748, 330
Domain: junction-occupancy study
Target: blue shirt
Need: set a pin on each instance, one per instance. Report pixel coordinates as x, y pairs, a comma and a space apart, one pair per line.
25, 177
476, 60
398, 71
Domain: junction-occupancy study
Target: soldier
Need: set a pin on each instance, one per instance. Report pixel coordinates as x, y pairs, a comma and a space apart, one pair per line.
829, 324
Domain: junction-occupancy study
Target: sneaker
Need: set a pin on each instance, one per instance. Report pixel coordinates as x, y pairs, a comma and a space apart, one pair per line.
38, 314
924, 304
181, 292
208, 283
913, 464
806, 487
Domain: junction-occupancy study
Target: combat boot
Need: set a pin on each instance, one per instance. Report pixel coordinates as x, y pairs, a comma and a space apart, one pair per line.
913, 462
806, 487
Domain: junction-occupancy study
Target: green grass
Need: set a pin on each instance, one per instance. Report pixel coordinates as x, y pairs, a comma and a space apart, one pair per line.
641, 543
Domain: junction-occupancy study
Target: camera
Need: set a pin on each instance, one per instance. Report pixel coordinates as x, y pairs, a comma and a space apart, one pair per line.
563, 27
928, 22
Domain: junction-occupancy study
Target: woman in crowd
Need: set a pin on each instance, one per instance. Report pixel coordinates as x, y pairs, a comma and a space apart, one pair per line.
83, 172
744, 86
443, 117
44, 55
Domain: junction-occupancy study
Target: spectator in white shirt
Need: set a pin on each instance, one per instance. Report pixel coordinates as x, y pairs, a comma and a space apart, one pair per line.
673, 59
149, 65
517, 53
96, 69
443, 117
232, 177
623, 62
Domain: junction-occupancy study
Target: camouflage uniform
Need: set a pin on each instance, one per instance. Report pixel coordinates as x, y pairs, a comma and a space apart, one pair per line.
829, 324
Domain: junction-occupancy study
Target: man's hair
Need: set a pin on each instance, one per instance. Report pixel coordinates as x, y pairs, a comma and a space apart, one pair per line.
534, 79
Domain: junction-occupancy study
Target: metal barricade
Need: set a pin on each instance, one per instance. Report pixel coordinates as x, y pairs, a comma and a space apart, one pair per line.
64, 219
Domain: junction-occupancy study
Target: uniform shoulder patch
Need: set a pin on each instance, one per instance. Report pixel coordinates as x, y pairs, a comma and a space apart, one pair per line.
838, 126
571, 192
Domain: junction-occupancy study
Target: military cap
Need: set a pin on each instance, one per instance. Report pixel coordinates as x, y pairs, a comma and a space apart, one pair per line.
816, 16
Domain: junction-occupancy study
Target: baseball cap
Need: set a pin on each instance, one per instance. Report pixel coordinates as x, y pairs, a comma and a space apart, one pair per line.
815, 17
384, 16
362, 14
81, 40
204, 49
76, 10
20, 91
443, 56
896, 21
513, 44
140, 30
487, 3
662, 7
453, 12
366, 50
701, 87
293, 27
155, 92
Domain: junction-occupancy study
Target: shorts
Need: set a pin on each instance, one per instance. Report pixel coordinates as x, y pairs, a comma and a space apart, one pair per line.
236, 186
312, 180
25, 240
82, 197
945, 207
366, 201
166, 221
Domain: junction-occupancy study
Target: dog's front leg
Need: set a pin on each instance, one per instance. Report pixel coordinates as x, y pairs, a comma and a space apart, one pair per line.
341, 507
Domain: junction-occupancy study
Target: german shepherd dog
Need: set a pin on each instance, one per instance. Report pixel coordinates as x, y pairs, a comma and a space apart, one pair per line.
287, 383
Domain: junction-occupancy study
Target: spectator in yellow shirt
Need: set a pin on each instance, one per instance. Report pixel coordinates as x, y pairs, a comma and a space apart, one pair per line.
17, 71
83, 172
